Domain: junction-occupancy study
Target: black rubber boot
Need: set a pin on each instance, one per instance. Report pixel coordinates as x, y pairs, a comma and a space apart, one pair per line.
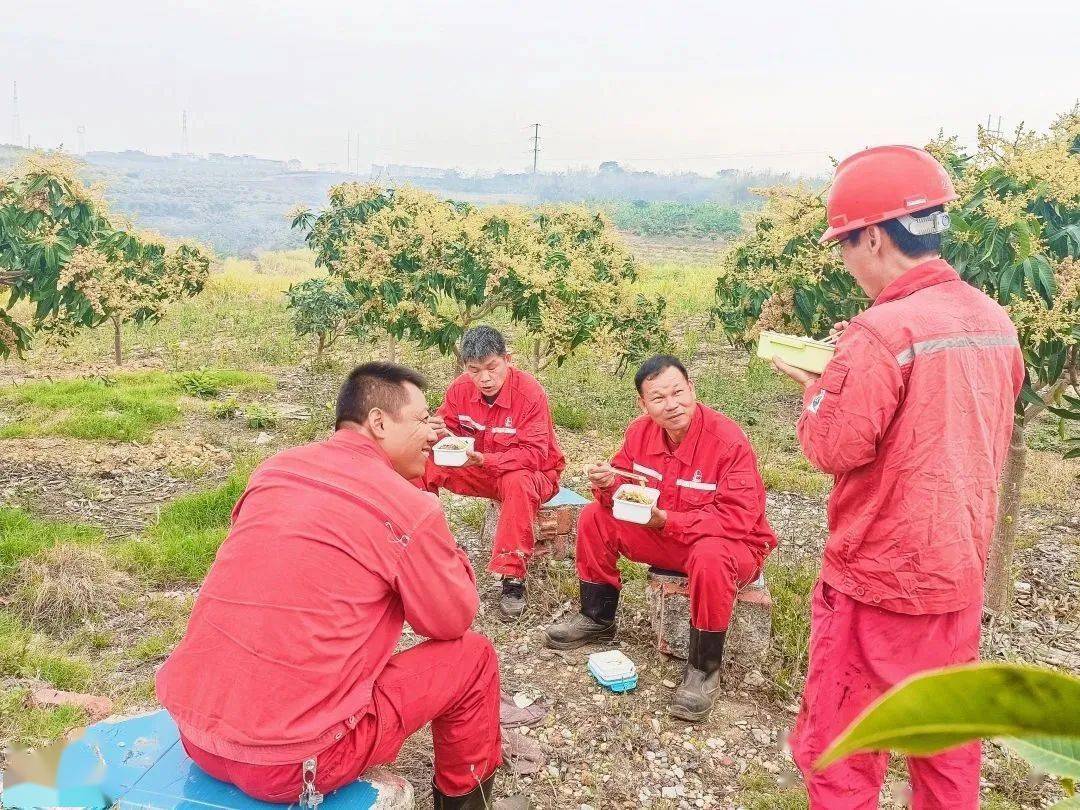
479, 798
595, 622
512, 601
701, 679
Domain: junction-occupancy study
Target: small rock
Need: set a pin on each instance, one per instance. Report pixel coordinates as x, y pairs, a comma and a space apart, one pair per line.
669, 683
753, 679
96, 706
669, 792
262, 438
523, 701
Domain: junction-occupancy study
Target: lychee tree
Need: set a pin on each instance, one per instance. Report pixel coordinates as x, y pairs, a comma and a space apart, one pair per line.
424, 270
75, 264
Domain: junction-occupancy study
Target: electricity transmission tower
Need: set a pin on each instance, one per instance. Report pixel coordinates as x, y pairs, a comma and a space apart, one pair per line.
185, 144
16, 126
536, 144
81, 131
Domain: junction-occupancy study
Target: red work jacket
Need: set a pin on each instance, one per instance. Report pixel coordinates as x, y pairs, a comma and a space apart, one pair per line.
709, 485
330, 551
913, 416
515, 432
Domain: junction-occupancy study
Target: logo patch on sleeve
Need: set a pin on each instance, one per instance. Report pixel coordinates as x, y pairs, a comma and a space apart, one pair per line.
815, 403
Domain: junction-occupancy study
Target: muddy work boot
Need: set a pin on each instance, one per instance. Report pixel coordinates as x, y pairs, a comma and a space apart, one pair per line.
479, 798
595, 623
701, 680
512, 601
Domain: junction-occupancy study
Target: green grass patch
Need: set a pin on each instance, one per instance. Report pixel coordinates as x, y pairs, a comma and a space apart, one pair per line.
21, 655
28, 725
568, 416
157, 646
181, 546
760, 790
22, 536
124, 407
790, 587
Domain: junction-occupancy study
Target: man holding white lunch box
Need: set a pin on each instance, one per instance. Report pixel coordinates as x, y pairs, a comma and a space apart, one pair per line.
512, 455
691, 474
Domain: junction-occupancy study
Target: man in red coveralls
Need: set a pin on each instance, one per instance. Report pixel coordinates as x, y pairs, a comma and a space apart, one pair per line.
516, 459
286, 683
913, 416
709, 521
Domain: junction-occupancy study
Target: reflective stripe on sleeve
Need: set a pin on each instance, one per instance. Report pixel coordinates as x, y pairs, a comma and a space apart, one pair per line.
959, 342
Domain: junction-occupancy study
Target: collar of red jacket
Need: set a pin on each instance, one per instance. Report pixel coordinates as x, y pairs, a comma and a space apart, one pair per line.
503, 397
347, 437
685, 451
927, 274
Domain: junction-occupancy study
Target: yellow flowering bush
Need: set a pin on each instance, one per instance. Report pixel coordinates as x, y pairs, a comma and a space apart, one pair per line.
425, 269
63, 251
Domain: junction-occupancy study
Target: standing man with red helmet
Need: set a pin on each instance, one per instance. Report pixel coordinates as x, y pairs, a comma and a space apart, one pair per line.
913, 417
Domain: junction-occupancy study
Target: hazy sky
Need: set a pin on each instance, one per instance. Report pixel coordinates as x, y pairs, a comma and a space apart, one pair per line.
658, 85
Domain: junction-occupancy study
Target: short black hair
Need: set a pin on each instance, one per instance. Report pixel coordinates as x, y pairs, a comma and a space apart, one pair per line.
906, 242
481, 342
655, 366
375, 385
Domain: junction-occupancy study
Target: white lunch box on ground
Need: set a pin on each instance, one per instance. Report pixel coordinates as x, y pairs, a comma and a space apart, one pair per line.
453, 451
634, 512
801, 352
613, 670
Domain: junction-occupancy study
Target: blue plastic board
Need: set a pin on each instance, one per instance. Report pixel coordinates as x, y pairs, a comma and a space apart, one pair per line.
566, 497
140, 763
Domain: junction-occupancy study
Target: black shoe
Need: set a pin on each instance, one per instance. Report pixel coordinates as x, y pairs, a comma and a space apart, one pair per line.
479, 798
700, 685
595, 622
512, 602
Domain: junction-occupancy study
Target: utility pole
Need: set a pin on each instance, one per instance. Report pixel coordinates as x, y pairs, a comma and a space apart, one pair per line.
348, 152
16, 126
536, 144
185, 145
356, 154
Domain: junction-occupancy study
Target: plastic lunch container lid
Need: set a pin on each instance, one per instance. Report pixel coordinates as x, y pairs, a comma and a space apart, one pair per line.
611, 665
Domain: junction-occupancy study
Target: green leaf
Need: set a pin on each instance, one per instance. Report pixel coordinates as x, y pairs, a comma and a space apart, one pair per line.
944, 708
1057, 755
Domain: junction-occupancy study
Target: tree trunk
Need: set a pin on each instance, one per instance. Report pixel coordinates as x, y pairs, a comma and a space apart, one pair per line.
999, 579
391, 348
117, 356
536, 356
320, 348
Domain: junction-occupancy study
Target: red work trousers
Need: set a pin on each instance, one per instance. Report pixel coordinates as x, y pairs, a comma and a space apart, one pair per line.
858, 652
716, 567
520, 493
454, 685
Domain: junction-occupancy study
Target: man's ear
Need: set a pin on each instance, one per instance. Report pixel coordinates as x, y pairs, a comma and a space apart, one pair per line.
376, 422
875, 237
641, 405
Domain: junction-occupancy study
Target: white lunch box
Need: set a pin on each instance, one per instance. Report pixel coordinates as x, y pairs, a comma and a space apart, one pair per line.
634, 512
801, 352
449, 456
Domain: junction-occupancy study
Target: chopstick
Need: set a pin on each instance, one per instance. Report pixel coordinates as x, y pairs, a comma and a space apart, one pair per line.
830, 340
625, 474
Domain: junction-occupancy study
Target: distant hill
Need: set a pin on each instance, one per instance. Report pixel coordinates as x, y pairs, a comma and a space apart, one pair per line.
238, 203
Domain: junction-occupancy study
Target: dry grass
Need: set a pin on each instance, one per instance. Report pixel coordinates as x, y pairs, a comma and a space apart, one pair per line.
1050, 480
63, 586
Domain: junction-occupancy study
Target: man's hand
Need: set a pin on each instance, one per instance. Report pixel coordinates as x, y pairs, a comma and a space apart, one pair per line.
438, 424
601, 475
838, 329
658, 519
474, 459
803, 378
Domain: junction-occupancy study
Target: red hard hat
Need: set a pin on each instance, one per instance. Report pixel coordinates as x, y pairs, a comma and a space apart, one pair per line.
884, 183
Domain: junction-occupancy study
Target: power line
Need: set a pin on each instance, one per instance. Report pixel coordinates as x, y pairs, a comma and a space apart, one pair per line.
16, 126
536, 145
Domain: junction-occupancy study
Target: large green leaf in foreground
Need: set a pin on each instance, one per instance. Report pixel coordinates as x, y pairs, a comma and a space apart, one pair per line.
947, 707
